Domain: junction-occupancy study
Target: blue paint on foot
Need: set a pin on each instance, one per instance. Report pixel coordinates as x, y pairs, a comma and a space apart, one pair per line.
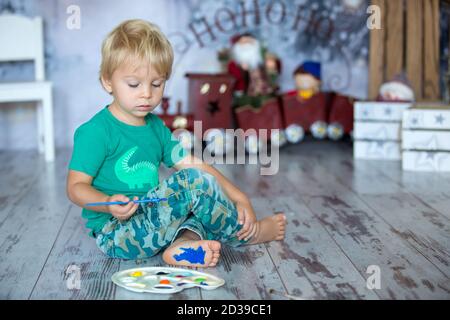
192, 255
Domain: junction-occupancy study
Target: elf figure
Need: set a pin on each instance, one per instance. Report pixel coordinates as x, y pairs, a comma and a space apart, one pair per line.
305, 108
307, 79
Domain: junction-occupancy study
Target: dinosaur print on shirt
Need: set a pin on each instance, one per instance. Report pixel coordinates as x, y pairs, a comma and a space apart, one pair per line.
137, 175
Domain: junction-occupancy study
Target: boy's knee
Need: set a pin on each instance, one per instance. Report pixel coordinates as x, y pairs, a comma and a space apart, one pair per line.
196, 176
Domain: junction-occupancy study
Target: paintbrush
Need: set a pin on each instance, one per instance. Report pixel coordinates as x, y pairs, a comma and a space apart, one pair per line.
273, 291
121, 202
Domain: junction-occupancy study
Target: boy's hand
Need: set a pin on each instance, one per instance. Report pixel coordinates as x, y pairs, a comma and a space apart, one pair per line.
247, 218
122, 211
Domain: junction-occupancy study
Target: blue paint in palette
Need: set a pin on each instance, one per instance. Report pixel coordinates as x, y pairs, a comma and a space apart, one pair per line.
191, 255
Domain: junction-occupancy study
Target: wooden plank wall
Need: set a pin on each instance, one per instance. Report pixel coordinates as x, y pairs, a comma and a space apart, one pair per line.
414, 39
394, 37
376, 56
431, 49
407, 42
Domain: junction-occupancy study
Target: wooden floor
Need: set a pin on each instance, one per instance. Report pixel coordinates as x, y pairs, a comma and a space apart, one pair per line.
344, 215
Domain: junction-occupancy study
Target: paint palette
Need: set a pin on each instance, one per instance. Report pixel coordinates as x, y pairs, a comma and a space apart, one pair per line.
164, 279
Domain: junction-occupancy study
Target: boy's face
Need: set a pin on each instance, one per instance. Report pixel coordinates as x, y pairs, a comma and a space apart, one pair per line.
137, 91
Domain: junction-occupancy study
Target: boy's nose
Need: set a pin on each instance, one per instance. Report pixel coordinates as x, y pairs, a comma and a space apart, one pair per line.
147, 92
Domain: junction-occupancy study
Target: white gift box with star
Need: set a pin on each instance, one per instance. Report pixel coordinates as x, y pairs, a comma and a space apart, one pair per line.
377, 130
426, 138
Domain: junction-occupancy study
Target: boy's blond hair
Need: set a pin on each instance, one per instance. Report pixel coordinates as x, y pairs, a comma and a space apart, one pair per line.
136, 39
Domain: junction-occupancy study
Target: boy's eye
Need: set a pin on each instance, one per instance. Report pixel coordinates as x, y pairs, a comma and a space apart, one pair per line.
132, 85
156, 85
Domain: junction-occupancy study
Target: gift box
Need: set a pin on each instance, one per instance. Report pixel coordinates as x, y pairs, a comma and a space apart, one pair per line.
377, 130
386, 150
426, 138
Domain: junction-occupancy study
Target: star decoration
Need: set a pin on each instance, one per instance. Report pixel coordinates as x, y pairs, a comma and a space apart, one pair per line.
379, 146
415, 119
430, 155
380, 134
440, 119
213, 107
426, 160
431, 144
381, 149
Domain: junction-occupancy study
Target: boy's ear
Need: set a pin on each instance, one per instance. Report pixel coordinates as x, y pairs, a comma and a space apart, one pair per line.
106, 83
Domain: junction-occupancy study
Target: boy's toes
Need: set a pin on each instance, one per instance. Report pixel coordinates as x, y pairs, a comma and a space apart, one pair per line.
280, 237
281, 234
197, 253
215, 258
214, 262
215, 247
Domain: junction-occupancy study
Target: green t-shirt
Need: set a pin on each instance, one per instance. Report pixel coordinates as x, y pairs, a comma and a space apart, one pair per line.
121, 158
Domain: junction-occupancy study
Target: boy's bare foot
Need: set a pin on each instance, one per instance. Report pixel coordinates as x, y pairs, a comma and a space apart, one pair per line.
269, 229
193, 253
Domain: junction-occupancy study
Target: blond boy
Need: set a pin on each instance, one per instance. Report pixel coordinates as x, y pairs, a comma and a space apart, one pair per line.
116, 157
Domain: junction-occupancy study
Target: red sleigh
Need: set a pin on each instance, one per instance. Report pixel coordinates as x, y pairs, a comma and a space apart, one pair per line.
340, 116
254, 120
326, 114
305, 115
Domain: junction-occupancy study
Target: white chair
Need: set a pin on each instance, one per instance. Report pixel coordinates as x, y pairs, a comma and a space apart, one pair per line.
21, 39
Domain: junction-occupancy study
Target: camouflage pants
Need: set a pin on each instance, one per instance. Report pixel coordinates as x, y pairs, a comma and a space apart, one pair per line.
195, 201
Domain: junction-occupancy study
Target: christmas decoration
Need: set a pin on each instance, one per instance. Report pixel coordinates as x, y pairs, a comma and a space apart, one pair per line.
426, 138
305, 108
255, 71
307, 79
210, 99
294, 133
181, 124
278, 138
340, 117
177, 120
266, 117
377, 131
398, 89
253, 144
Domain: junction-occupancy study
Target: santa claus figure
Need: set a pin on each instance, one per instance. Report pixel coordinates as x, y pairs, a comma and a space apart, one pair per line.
398, 89
254, 70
